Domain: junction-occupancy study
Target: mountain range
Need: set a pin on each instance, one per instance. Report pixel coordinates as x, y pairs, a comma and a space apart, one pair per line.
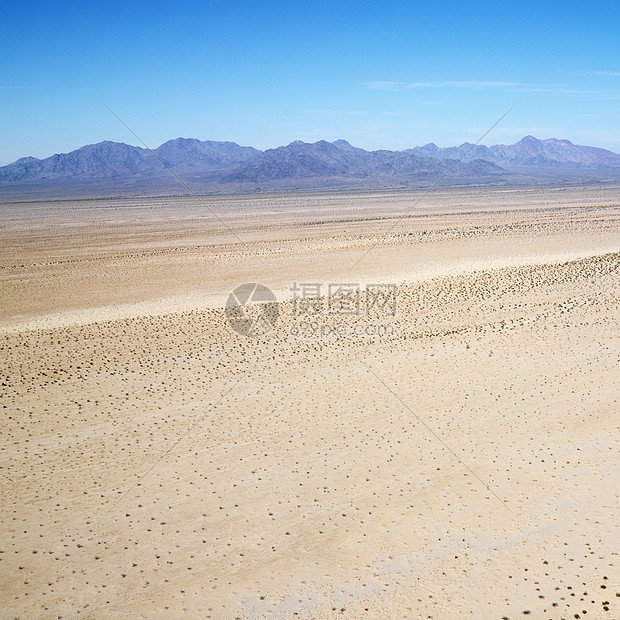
528, 153
117, 160
226, 164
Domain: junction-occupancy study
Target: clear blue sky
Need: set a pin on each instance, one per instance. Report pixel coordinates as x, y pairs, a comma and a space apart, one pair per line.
380, 74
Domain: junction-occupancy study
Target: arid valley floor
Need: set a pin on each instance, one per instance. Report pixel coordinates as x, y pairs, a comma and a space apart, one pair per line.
464, 463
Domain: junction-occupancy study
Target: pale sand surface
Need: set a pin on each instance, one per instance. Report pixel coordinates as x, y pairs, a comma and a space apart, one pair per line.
466, 465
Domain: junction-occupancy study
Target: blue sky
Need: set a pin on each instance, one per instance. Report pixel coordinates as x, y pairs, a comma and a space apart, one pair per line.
380, 74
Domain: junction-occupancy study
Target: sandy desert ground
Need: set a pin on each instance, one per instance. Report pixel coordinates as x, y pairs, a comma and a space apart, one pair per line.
457, 460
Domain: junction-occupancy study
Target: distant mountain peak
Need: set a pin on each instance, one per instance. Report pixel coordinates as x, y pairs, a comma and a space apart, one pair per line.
530, 153
556, 141
181, 140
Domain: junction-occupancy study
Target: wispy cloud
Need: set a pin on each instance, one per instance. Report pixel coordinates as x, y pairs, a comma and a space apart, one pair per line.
333, 112
516, 87
385, 85
471, 84
607, 73
451, 84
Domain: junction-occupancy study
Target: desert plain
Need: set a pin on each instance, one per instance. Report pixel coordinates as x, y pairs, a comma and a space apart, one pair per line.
458, 457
